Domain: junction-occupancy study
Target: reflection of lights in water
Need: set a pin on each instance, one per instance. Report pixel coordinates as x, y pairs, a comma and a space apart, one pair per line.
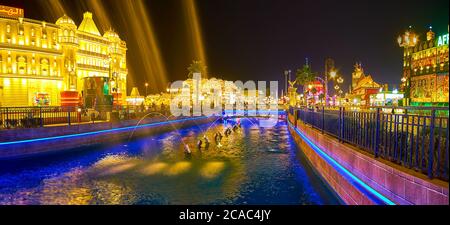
114, 164
118, 168
79, 196
64, 190
178, 168
111, 160
111, 193
232, 175
212, 169
154, 168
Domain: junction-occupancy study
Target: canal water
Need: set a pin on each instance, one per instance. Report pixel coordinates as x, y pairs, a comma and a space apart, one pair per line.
254, 165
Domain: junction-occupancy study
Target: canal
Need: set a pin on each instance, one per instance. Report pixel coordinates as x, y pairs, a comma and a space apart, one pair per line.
254, 165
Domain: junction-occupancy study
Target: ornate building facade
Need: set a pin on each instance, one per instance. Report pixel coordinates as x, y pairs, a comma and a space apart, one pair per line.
425, 68
362, 86
52, 64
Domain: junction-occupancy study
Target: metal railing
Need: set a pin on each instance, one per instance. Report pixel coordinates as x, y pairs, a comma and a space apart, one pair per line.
414, 137
32, 117
29, 117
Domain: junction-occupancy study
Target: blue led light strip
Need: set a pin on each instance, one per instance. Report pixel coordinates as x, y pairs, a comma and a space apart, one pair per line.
98, 132
371, 193
253, 110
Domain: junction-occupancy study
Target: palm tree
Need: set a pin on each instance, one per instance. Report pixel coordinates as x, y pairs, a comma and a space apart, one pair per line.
304, 76
196, 67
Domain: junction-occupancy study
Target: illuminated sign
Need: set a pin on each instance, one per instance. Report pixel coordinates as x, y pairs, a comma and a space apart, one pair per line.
442, 40
6, 11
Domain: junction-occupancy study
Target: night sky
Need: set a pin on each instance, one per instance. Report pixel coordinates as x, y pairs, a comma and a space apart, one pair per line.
259, 39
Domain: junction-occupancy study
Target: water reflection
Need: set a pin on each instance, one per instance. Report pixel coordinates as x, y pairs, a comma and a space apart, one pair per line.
254, 166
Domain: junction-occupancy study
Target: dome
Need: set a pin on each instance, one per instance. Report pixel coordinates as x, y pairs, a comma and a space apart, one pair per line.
111, 35
65, 20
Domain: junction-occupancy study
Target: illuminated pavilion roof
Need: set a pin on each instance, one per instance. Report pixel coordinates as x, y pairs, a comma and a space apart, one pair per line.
88, 24
65, 20
367, 82
111, 35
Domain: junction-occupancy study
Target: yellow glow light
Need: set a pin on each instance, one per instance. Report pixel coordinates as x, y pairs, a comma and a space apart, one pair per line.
119, 168
195, 31
333, 74
178, 168
212, 169
6, 82
154, 168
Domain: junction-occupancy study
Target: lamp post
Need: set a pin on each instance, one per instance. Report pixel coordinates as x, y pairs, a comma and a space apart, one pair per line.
146, 86
287, 77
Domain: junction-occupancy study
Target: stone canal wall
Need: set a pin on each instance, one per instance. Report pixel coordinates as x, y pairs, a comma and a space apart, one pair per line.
19, 143
367, 179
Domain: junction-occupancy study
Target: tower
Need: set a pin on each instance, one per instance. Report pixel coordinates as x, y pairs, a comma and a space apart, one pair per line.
430, 34
358, 72
117, 66
69, 43
407, 41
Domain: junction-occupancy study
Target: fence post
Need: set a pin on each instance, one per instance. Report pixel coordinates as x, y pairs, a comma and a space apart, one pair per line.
339, 124
323, 119
41, 120
431, 150
68, 115
295, 117
7, 118
377, 133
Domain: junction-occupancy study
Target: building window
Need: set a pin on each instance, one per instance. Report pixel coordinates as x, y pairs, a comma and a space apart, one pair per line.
44, 67
21, 64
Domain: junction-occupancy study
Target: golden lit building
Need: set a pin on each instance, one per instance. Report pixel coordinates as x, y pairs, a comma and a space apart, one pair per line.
362, 86
52, 64
425, 68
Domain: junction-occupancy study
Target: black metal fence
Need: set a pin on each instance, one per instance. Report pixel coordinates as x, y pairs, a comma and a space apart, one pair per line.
28, 117
416, 138
31, 117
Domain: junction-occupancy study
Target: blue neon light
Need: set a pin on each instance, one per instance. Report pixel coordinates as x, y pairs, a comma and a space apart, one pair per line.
99, 132
343, 171
256, 111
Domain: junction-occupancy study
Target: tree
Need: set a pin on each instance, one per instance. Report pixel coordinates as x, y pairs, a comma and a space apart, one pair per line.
196, 67
304, 76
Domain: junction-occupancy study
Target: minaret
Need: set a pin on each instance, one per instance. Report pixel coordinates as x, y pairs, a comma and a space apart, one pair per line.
407, 41
69, 43
116, 66
430, 34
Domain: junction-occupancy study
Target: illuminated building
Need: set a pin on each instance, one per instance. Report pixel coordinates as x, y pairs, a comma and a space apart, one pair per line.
362, 86
135, 98
425, 68
315, 92
386, 98
52, 64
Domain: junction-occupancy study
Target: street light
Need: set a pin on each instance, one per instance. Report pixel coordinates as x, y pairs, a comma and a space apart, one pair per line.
333, 74
146, 85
